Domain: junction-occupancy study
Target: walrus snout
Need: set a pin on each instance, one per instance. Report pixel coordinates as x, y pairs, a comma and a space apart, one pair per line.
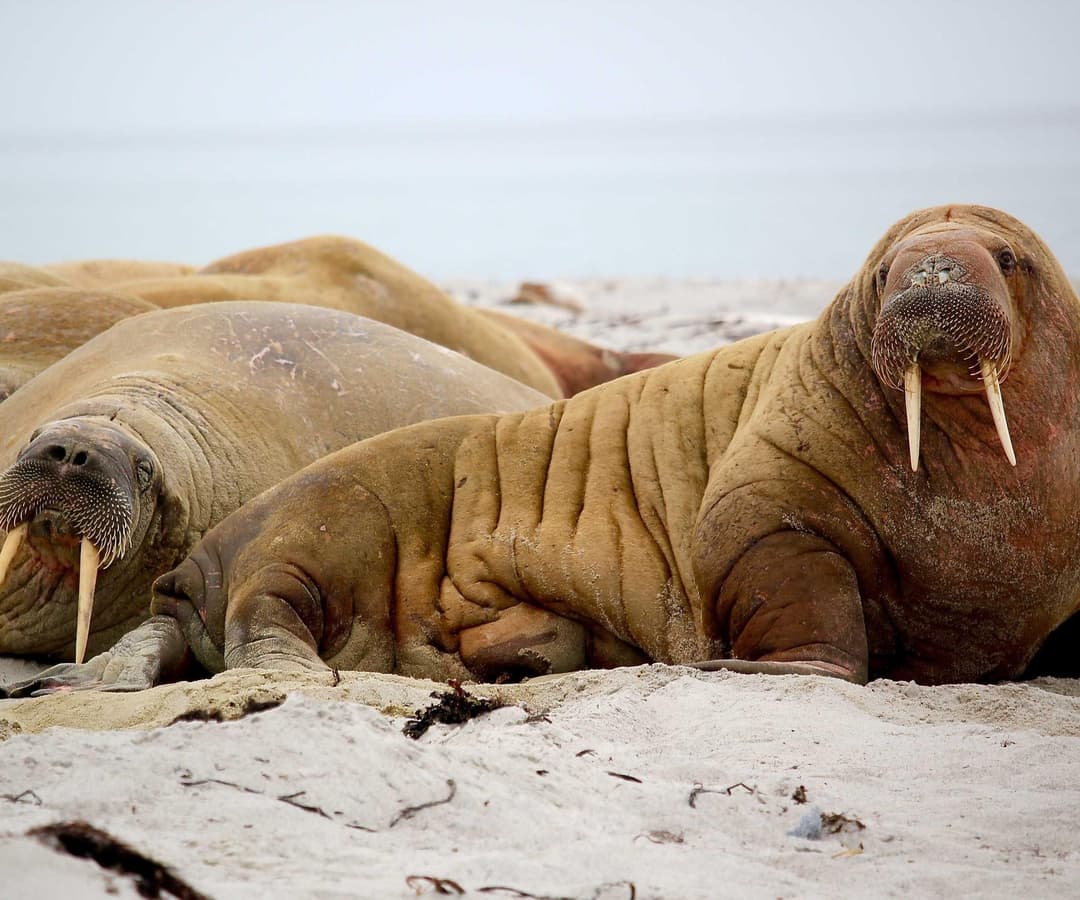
82, 473
942, 313
79, 480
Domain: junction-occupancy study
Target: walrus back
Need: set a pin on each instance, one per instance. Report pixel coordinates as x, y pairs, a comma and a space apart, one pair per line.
591, 500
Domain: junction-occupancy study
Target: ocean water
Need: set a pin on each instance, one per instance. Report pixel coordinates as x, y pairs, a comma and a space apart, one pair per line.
680, 199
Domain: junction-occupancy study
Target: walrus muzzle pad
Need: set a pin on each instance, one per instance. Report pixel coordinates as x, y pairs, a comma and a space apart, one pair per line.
77, 496
946, 322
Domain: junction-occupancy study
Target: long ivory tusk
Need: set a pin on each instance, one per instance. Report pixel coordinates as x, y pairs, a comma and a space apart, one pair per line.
89, 560
913, 399
11, 546
997, 406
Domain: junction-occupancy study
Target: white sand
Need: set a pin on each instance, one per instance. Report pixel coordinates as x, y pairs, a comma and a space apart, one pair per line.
581, 787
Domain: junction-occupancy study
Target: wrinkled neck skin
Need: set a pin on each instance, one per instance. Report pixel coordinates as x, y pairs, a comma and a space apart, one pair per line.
965, 564
38, 602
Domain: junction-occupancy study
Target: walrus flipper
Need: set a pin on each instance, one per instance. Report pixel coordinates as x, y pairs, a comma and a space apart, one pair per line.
791, 602
154, 652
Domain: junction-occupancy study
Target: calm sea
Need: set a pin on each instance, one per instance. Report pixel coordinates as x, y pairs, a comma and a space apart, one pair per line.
735, 199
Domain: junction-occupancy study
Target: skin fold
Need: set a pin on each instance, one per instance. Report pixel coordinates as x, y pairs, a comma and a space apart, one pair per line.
171, 420
753, 508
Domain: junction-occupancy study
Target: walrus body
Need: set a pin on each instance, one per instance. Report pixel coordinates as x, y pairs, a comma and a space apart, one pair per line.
19, 277
754, 506
40, 326
577, 364
105, 273
346, 274
135, 444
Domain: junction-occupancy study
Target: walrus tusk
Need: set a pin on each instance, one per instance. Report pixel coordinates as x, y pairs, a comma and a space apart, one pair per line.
913, 398
11, 546
997, 407
89, 560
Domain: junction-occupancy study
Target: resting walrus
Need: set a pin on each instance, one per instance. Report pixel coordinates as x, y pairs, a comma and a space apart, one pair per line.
126, 451
40, 326
773, 506
342, 273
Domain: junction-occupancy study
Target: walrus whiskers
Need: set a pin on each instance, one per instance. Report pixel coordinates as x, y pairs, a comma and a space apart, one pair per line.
997, 406
89, 560
913, 401
11, 546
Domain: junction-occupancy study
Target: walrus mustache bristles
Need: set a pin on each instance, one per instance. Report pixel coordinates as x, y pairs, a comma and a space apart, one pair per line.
99, 512
978, 328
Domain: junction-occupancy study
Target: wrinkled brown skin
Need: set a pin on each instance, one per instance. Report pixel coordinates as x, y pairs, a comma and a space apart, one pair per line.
40, 326
753, 506
227, 399
578, 365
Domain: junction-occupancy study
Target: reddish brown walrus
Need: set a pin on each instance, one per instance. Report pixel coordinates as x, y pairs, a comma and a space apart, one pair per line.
755, 506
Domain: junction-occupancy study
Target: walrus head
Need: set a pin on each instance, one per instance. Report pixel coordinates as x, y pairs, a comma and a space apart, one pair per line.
80, 493
949, 318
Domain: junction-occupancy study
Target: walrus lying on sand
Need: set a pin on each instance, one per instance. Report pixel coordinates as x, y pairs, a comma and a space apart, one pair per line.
40, 326
842, 497
342, 273
120, 456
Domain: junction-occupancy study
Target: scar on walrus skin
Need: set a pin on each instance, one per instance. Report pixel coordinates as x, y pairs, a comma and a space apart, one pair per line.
844, 497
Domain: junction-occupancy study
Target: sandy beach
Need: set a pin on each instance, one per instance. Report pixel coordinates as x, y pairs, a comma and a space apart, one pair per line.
653, 782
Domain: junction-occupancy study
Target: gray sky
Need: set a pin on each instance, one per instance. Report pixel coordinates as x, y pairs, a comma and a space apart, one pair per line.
76, 66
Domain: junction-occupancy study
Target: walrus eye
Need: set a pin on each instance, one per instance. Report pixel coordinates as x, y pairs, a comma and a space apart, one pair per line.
1006, 260
144, 473
882, 276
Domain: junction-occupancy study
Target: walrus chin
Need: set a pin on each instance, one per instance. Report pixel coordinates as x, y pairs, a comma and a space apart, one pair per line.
936, 320
63, 489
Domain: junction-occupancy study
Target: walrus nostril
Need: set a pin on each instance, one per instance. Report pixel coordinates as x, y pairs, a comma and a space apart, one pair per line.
56, 452
79, 459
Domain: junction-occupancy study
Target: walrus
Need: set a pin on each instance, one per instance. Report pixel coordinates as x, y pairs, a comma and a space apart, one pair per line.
844, 497
121, 455
42, 325
576, 364
105, 273
343, 273
16, 276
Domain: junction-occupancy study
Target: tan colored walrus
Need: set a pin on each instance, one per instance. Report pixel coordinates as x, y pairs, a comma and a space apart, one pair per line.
122, 454
19, 277
106, 273
756, 506
40, 326
342, 273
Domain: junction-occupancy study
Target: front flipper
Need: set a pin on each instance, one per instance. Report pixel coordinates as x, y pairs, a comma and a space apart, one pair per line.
153, 652
791, 605
271, 621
